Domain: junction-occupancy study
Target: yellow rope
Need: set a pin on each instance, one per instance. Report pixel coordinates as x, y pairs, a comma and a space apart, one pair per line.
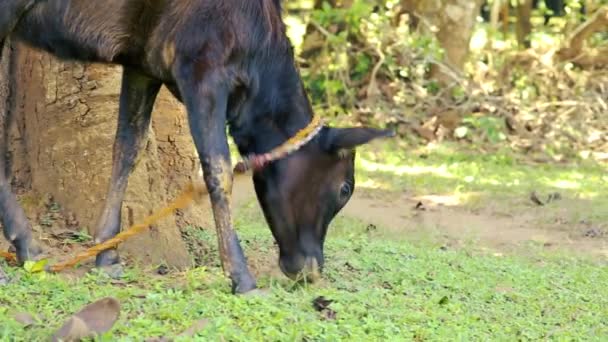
10, 257
191, 193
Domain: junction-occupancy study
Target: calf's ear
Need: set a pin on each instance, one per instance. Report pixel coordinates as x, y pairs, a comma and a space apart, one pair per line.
336, 139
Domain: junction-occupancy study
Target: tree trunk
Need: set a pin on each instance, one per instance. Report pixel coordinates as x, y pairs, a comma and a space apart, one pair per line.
524, 24
452, 22
61, 144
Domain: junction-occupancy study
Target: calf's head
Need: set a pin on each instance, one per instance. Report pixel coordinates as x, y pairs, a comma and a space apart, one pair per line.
302, 193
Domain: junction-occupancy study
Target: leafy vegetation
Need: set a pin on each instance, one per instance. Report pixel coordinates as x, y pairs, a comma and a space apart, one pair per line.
383, 71
382, 290
382, 286
449, 169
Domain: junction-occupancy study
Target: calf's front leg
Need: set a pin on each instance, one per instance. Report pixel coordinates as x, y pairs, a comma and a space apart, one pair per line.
137, 97
206, 102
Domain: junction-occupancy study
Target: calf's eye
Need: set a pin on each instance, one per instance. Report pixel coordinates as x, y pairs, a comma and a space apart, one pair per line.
345, 190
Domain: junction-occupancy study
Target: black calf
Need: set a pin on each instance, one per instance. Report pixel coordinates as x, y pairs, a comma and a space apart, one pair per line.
231, 64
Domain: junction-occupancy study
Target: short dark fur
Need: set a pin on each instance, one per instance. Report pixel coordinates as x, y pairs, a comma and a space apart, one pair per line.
230, 63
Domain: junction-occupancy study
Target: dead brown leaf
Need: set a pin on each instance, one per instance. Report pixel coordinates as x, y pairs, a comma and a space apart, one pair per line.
449, 119
3, 277
25, 318
329, 315
195, 328
420, 206
556, 196
594, 233
534, 198
94, 319
321, 303
425, 133
162, 269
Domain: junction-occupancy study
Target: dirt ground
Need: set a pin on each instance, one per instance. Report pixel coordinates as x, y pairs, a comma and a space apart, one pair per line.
497, 228
491, 228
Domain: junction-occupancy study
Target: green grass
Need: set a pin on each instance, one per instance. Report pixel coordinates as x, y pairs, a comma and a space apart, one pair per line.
384, 288
450, 169
475, 178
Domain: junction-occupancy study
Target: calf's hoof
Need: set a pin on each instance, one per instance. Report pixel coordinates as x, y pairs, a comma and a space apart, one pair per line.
108, 262
107, 258
27, 250
243, 284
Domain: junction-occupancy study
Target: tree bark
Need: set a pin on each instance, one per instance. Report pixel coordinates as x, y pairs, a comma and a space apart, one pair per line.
61, 144
523, 27
500, 13
452, 22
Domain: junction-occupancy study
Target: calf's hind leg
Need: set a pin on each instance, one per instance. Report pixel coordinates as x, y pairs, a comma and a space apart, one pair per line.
16, 226
137, 97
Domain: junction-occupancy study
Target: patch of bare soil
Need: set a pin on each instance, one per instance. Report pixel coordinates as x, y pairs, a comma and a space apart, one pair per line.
493, 228
516, 229
498, 227
56, 229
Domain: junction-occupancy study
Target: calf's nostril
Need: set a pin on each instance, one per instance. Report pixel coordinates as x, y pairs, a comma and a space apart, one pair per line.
311, 271
301, 269
291, 267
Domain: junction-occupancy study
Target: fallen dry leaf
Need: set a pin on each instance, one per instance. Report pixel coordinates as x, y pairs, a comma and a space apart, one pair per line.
162, 269
35, 266
25, 318
425, 133
195, 328
94, 319
158, 339
556, 196
593, 233
329, 314
449, 119
3, 278
534, 198
321, 303
420, 206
